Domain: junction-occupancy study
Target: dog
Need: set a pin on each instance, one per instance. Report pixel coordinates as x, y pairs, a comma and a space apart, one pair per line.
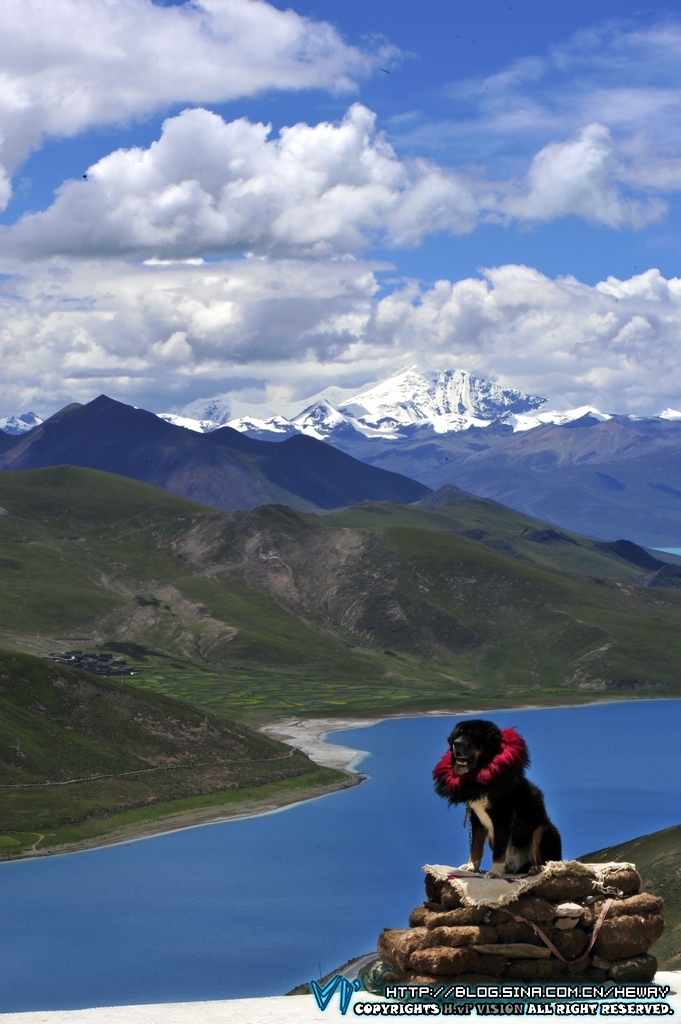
485, 768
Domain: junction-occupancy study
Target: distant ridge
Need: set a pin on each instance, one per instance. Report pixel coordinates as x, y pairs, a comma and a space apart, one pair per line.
597, 473
581, 469
444, 401
224, 469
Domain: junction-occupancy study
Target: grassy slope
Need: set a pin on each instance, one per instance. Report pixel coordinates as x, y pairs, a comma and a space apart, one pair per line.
157, 756
658, 858
504, 529
382, 608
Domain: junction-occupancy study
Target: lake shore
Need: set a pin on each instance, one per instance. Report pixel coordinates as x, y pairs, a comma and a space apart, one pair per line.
306, 735
309, 736
247, 808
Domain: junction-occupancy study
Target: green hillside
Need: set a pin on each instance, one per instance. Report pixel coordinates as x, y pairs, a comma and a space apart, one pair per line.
82, 757
658, 858
382, 608
451, 510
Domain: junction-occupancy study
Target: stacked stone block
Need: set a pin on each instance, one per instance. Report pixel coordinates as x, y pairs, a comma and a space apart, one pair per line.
447, 940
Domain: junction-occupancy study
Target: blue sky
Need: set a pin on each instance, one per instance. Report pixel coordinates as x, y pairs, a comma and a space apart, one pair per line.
491, 186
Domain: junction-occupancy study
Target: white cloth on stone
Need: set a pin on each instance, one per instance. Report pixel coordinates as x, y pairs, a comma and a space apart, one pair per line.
477, 889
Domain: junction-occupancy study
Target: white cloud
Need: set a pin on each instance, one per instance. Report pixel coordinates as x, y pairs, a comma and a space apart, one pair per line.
69, 331
74, 64
627, 78
207, 185
160, 336
211, 186
5, 187
616, 345
581, 176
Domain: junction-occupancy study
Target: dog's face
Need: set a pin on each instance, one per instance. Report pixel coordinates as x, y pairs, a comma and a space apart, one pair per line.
473, 744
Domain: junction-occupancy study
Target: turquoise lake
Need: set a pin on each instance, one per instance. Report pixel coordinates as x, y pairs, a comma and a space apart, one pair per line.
257, 905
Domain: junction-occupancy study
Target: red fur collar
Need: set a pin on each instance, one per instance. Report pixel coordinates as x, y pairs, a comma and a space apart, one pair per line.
512, 757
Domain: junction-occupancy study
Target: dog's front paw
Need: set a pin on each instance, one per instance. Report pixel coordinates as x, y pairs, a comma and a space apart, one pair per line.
469, 867
496, 871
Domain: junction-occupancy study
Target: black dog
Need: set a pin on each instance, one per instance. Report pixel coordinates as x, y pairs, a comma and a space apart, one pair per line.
485, 767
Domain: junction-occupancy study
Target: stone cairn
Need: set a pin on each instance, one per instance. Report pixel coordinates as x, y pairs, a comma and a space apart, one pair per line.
448, 940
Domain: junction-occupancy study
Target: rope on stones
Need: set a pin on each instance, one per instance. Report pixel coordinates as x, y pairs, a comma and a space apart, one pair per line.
547, 941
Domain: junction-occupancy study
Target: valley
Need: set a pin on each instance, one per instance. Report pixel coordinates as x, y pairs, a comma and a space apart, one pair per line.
383, 608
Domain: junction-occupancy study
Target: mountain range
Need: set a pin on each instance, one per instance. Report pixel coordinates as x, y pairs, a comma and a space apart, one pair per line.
442, 401
224, 468
603, 474
614, 478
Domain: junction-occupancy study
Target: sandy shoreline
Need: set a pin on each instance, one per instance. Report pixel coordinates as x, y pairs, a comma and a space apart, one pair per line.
309, 735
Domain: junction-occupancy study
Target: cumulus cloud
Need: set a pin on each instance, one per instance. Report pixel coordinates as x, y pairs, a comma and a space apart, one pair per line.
207, 185
69, 66
162, 335
211, 186
615, 345
582, 176
70, 330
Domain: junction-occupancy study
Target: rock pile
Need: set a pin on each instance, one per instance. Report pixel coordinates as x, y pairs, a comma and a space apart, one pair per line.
545, 933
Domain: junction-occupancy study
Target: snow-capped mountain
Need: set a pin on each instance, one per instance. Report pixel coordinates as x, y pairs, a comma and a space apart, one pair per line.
441, 400
203, 426
204, 415
437, 402
19, 424
274, 428
526, 421
444, 400
213, 410
326, 423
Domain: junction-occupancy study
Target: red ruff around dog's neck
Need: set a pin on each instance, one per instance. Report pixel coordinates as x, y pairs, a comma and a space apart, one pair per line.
512, 757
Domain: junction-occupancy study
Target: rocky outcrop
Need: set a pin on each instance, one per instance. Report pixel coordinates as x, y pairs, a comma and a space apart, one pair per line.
558, 930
